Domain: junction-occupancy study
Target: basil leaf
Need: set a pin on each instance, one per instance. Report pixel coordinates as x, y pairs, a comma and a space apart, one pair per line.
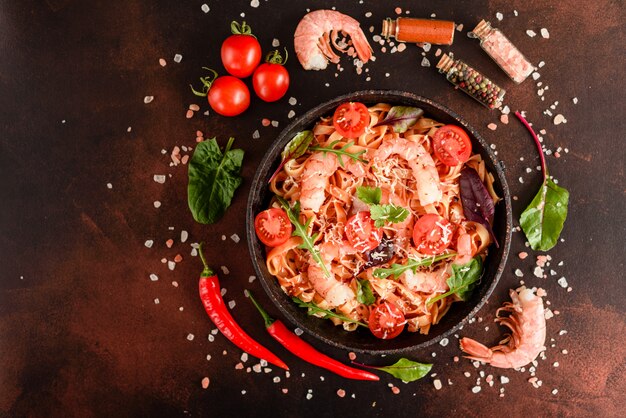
369, 195
543, 219
463, 280
397, 269
213, 179
297, 146
401, 118
477, 203
387, 213
407, 370
364, 292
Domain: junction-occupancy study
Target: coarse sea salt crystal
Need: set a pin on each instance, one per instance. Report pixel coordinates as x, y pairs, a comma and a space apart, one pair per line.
476, 389
109, 186
231, 304
251, 279
190, 337
531, 33
275, 43
298, 331
225, 269
499, 16
544, 33
154, 277
159, 178
559, 119
254, 3
293, 101
562, 282
184, 235
291, 114
437, 384
148, 243
504, 380
444, 342
425, 62
205, 8
157, 204
235, 238
178, 58
256, 134
148, 99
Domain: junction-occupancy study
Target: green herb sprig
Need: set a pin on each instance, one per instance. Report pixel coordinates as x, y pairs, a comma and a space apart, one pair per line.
412, 264
300, 230
343, 151
463, 280
380, 213
313, 309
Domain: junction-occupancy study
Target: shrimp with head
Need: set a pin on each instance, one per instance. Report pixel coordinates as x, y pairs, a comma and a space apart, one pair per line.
318, 29
527, 323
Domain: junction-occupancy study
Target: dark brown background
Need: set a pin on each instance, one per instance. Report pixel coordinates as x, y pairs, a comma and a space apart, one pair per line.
80, 334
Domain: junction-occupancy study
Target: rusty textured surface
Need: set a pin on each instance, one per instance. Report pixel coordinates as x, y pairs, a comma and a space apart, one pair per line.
80, 334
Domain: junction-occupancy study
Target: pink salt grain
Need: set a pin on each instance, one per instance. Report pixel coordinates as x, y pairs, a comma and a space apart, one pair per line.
199, 133
341, 393
178, 258
504, 119
162, 62
239, 366
189, 114
492, 126
522, 255
398, 10
352, 356
169, 243
205, 383
185, 159
194, 107
395, 390
266, 122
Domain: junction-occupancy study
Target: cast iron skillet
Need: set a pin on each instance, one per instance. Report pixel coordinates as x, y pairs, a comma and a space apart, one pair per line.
362, 340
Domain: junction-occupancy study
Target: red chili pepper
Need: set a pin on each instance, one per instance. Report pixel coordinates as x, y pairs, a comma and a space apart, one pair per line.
305, 351
211, 296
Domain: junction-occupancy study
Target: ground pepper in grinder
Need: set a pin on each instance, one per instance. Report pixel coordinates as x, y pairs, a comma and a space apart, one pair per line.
464, 77
404, 29
503, 52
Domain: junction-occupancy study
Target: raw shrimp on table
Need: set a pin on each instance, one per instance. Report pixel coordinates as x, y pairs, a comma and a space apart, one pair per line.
318, 30
528, 326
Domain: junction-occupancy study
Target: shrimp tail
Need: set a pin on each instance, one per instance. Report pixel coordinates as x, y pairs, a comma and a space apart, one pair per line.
476, 350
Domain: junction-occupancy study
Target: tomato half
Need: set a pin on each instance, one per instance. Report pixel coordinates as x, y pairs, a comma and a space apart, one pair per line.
361, 232
241, 54
432, 234
386, 321
270, 81
273, 227
452, 145
351, 119
229, 96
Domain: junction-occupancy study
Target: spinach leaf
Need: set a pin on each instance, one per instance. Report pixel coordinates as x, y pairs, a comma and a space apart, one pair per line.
369, 195
313, 309
364, 292
404, 369
300, 230
387, 213
397, 269
543, 219
213, 178
294, 149
401, 118
463, 280
477, 203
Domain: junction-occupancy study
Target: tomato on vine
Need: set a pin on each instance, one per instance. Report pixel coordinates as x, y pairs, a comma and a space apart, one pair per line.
271, 80
227, 95
241, 51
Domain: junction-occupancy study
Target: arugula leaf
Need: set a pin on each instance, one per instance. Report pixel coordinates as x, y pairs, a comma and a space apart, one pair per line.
364, 292
213, 179
401, 118
294, 149
313, 309
387, 213
463, 280
404, 369
543, 219
369, 195
397, 269
356, 156
300, 230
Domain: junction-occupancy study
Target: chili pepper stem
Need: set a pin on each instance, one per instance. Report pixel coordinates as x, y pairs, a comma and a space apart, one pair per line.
268, 319
207, 272
544, 167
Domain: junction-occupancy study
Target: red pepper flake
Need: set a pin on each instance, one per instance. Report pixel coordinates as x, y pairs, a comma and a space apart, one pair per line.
341, 393
266, 122
169, 243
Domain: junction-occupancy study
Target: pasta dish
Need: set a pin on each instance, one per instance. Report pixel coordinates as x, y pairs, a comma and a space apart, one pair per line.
383, 237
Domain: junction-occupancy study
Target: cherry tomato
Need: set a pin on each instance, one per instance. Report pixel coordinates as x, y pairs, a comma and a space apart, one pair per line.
361, 232
241, 52
351, 119
432, 234
452, 145
229, 96
386, 321
271, 80
273, 227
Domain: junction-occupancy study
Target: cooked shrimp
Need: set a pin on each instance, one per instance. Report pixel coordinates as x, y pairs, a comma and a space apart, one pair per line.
421, 163
318, 29
333, 290
463, 249
426, 281
317, 170
528, 325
